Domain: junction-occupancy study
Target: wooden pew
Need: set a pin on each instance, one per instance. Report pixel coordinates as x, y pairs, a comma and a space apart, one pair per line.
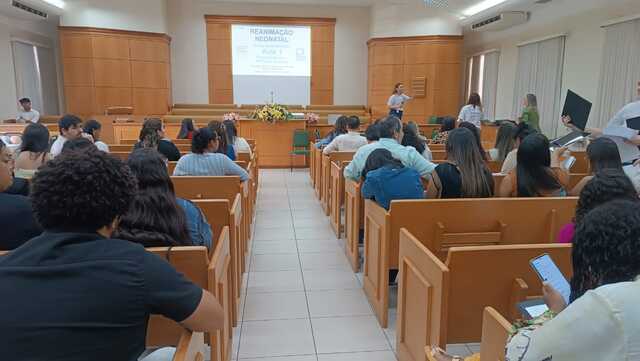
318, 172
183, 148
312, 163
212, 274
574, 179
337, 195
495, 334
354, 221
227, 189
190, 347
445, 223
441, 303
325, 198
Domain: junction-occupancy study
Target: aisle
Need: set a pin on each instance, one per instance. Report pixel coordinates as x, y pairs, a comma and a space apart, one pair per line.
302, 301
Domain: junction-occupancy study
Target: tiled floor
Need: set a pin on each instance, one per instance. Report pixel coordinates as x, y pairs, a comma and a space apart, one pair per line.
301, 301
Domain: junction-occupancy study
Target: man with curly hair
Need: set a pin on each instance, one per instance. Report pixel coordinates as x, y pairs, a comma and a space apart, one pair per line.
74, 293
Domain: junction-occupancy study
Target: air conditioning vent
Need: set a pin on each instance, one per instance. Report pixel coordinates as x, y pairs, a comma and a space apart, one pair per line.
501, 21
29, 9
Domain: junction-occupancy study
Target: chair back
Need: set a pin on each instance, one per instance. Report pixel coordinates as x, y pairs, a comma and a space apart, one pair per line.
300, 138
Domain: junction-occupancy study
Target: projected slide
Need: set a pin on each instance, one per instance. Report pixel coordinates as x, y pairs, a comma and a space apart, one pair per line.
271, 61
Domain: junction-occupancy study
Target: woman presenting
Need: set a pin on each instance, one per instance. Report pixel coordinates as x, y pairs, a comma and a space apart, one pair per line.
397, 100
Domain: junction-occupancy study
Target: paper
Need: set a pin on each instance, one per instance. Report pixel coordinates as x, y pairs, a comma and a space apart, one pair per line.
628, 152
550, 273
622, 132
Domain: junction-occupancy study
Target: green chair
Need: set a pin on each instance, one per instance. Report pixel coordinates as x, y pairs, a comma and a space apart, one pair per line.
300, 144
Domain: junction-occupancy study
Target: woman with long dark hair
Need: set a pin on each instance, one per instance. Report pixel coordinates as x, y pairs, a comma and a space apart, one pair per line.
472, 111
476, 135
224, 143
504, 141
538, 173
34, 151
448, 124
152, 136
93, 128
464, 174
412, 138
205, 160
240, 145
156, 217
511, 160
603, 154
386, 178
339, 128
186, 129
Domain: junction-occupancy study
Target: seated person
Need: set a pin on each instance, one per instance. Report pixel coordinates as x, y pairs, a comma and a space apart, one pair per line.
504, 141
349, 142
156, 217
83, 294
28, 114
476, 135
448, 124
17, 224
538, 172
186, 129
225, 146
80, 144
386, 179
511, 159
603, 154
240, 145
339, 128
600, 322
412, 138
205, 161
390, 132
33, 151
464, 174
70, 128
607, 185
152, 136
93, 128
371, 133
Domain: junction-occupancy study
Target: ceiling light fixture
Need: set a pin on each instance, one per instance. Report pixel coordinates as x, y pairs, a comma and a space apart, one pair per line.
57, 3
481, 6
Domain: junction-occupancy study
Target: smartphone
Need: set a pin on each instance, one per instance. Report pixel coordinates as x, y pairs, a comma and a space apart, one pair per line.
533, 308
550, 273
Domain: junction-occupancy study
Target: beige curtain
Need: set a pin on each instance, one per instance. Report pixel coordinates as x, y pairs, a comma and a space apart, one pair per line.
490, 84
539, 72
473, 76
620, 70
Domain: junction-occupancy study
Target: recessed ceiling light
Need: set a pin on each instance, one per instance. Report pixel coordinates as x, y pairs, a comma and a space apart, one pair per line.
481, 6
57, 3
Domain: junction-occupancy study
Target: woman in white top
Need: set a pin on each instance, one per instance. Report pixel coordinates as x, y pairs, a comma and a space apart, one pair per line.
34, 150
93, 128
505, 141
240, 145
472, 112
397, 100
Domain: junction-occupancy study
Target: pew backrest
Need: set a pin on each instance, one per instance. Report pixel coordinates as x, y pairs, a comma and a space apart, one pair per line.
190, 347
224, 187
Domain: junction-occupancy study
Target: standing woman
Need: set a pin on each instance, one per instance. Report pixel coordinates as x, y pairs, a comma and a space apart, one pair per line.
397, 100
530, 114
472, 112
186, 129
34, 151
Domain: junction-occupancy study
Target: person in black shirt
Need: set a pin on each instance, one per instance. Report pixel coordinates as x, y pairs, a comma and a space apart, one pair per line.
74, 293
152, 136
17, 224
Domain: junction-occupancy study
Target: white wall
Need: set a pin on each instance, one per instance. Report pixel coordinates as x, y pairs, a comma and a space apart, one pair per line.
134, 15
189, 51
583, 49
390, 19
35, 32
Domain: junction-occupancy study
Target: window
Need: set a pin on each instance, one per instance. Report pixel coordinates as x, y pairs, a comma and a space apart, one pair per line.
482, 78
36, 76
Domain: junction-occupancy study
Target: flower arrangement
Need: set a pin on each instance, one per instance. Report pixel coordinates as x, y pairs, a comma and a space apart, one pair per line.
271, 113
234, 117
312, 118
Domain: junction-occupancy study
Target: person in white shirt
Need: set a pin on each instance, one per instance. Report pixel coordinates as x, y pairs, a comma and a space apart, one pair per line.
27, 114
350, 142
472, 112
240, 145
397, 100
93, 128
70, 128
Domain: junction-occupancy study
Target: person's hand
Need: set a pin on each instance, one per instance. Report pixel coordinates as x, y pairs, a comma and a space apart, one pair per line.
559, 152
553, 298
636, 163
635, 140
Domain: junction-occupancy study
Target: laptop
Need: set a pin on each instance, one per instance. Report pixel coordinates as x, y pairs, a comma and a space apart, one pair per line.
578, 108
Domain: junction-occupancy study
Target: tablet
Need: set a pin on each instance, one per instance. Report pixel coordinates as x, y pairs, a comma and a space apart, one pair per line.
550, 273
533, 308
578, 108
633, 123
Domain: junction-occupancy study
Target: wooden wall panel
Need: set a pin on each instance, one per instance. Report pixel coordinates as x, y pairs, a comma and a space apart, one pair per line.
219, 54
104, 67
432, 60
